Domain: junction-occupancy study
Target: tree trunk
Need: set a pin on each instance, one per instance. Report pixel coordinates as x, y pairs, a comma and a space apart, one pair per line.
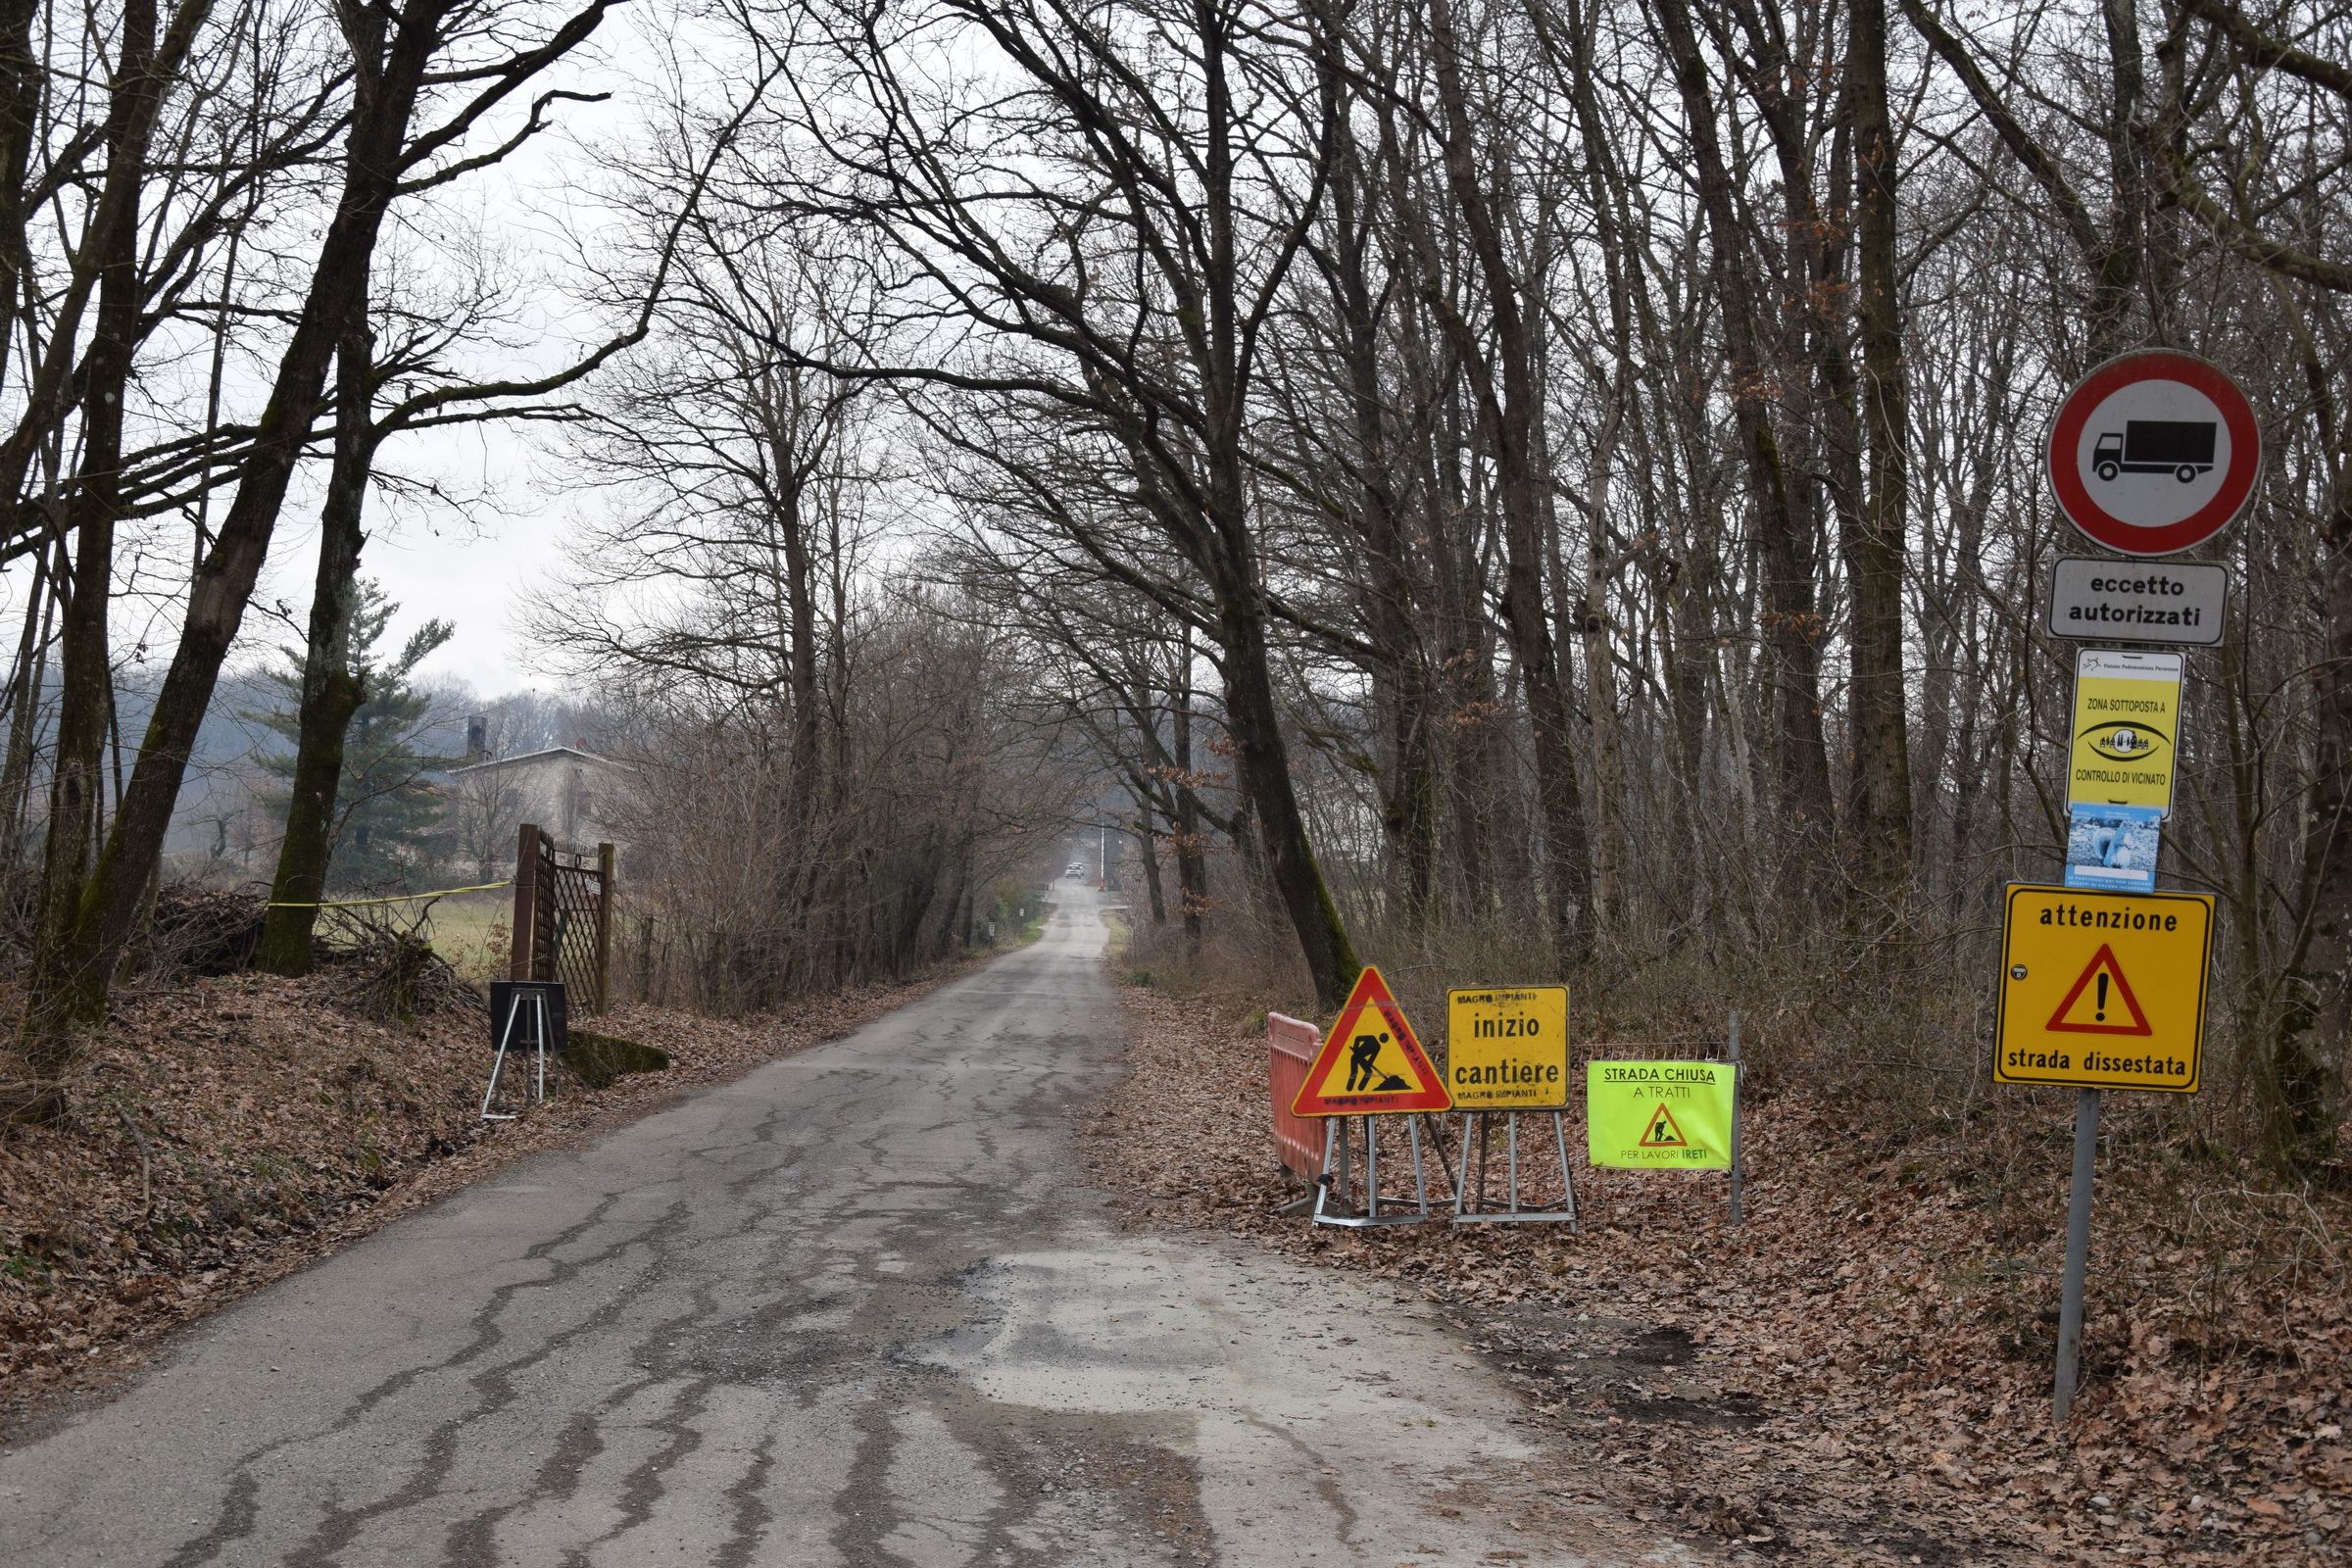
31, 679
1609, 780
1250, 710
1792, 622
331, 689
2317, 985
1568, 868
1146, 844
86, 699
1408, 787
1881, 790
75, 976
1250, 715
1611, 776
805, 866
1192, 867
20, 89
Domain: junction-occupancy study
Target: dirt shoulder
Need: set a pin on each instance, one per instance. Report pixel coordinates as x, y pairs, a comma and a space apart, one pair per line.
231, 1131
1860, 1373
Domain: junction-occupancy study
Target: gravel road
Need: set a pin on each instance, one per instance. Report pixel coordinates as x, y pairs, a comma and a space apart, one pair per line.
856, 1308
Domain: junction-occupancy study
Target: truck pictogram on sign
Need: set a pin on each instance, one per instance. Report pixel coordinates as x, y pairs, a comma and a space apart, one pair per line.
2181, 448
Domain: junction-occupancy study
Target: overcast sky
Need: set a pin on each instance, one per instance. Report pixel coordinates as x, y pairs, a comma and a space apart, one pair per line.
474, 558
472, 566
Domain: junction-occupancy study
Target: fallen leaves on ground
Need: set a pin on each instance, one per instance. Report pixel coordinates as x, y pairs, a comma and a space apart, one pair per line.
1861, 1371
229, 1132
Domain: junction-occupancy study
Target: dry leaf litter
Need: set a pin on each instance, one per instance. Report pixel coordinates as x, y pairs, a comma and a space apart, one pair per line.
1860, 1373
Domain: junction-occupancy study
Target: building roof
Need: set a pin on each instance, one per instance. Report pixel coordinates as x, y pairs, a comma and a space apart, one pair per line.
541, 755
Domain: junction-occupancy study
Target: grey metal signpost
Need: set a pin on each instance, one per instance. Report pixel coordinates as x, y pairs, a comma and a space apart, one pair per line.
1731, 1055
2078, 1249
2151, 454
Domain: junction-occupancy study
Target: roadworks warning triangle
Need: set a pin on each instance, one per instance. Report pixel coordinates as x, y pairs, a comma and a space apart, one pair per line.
1662, 1131
2101, 1001
1370, 1063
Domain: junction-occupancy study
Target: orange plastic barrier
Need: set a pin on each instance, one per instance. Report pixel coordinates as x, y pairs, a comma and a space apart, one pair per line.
1290, 1047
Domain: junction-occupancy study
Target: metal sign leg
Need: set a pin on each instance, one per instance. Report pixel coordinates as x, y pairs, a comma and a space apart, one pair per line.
1444, 1161
1330, 1135
1484, 1148
1412, 1130
2078, 1249
1559, 1138
1334, 1202
1461, 1183
540, 1030
498, 1064
1341, 1123
1471, 1204
1510, 1138
1732, 1053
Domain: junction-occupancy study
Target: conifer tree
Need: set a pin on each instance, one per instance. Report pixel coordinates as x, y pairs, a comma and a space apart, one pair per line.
385, 812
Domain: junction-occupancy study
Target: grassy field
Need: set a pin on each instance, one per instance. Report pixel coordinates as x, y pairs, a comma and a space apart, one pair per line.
471, 932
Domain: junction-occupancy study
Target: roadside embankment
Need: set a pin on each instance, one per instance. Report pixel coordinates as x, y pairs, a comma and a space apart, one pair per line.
1861, 1372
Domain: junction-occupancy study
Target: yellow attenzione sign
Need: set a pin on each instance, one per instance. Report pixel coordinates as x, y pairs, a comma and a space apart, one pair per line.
1669, 1115
1506, 1048
2127, 720
2104, 990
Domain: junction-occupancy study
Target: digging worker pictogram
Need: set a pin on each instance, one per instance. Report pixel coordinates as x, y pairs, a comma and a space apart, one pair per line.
1369, 1063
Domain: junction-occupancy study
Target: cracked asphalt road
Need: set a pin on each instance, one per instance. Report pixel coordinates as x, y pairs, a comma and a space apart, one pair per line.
855, 1308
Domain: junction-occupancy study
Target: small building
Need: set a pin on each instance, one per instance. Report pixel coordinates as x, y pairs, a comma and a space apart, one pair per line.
570, 792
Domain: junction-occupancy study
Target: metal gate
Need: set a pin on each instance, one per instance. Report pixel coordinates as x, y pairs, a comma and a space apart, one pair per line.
564, 918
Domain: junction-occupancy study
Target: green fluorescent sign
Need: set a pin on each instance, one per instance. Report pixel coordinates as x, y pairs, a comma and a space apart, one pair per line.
1659, 1115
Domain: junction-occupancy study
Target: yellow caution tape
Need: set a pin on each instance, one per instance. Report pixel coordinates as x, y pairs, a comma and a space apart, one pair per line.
398, 897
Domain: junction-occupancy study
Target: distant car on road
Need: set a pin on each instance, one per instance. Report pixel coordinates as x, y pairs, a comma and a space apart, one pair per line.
1076, 868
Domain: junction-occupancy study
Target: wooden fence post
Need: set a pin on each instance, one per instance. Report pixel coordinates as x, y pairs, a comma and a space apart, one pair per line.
604, 927
526, 904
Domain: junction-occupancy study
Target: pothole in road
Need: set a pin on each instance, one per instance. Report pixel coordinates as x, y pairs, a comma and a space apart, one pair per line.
827, 1338
1104, 1483
1647, 1374
1663, 1439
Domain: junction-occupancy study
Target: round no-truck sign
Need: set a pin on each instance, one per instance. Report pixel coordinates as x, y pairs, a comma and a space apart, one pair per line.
2155, 452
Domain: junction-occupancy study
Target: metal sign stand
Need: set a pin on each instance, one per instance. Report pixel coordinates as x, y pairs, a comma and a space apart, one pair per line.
1469, 1202
535, 1000
1332, 1203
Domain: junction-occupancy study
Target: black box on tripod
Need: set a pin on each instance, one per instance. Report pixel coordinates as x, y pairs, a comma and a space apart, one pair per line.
503, 996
